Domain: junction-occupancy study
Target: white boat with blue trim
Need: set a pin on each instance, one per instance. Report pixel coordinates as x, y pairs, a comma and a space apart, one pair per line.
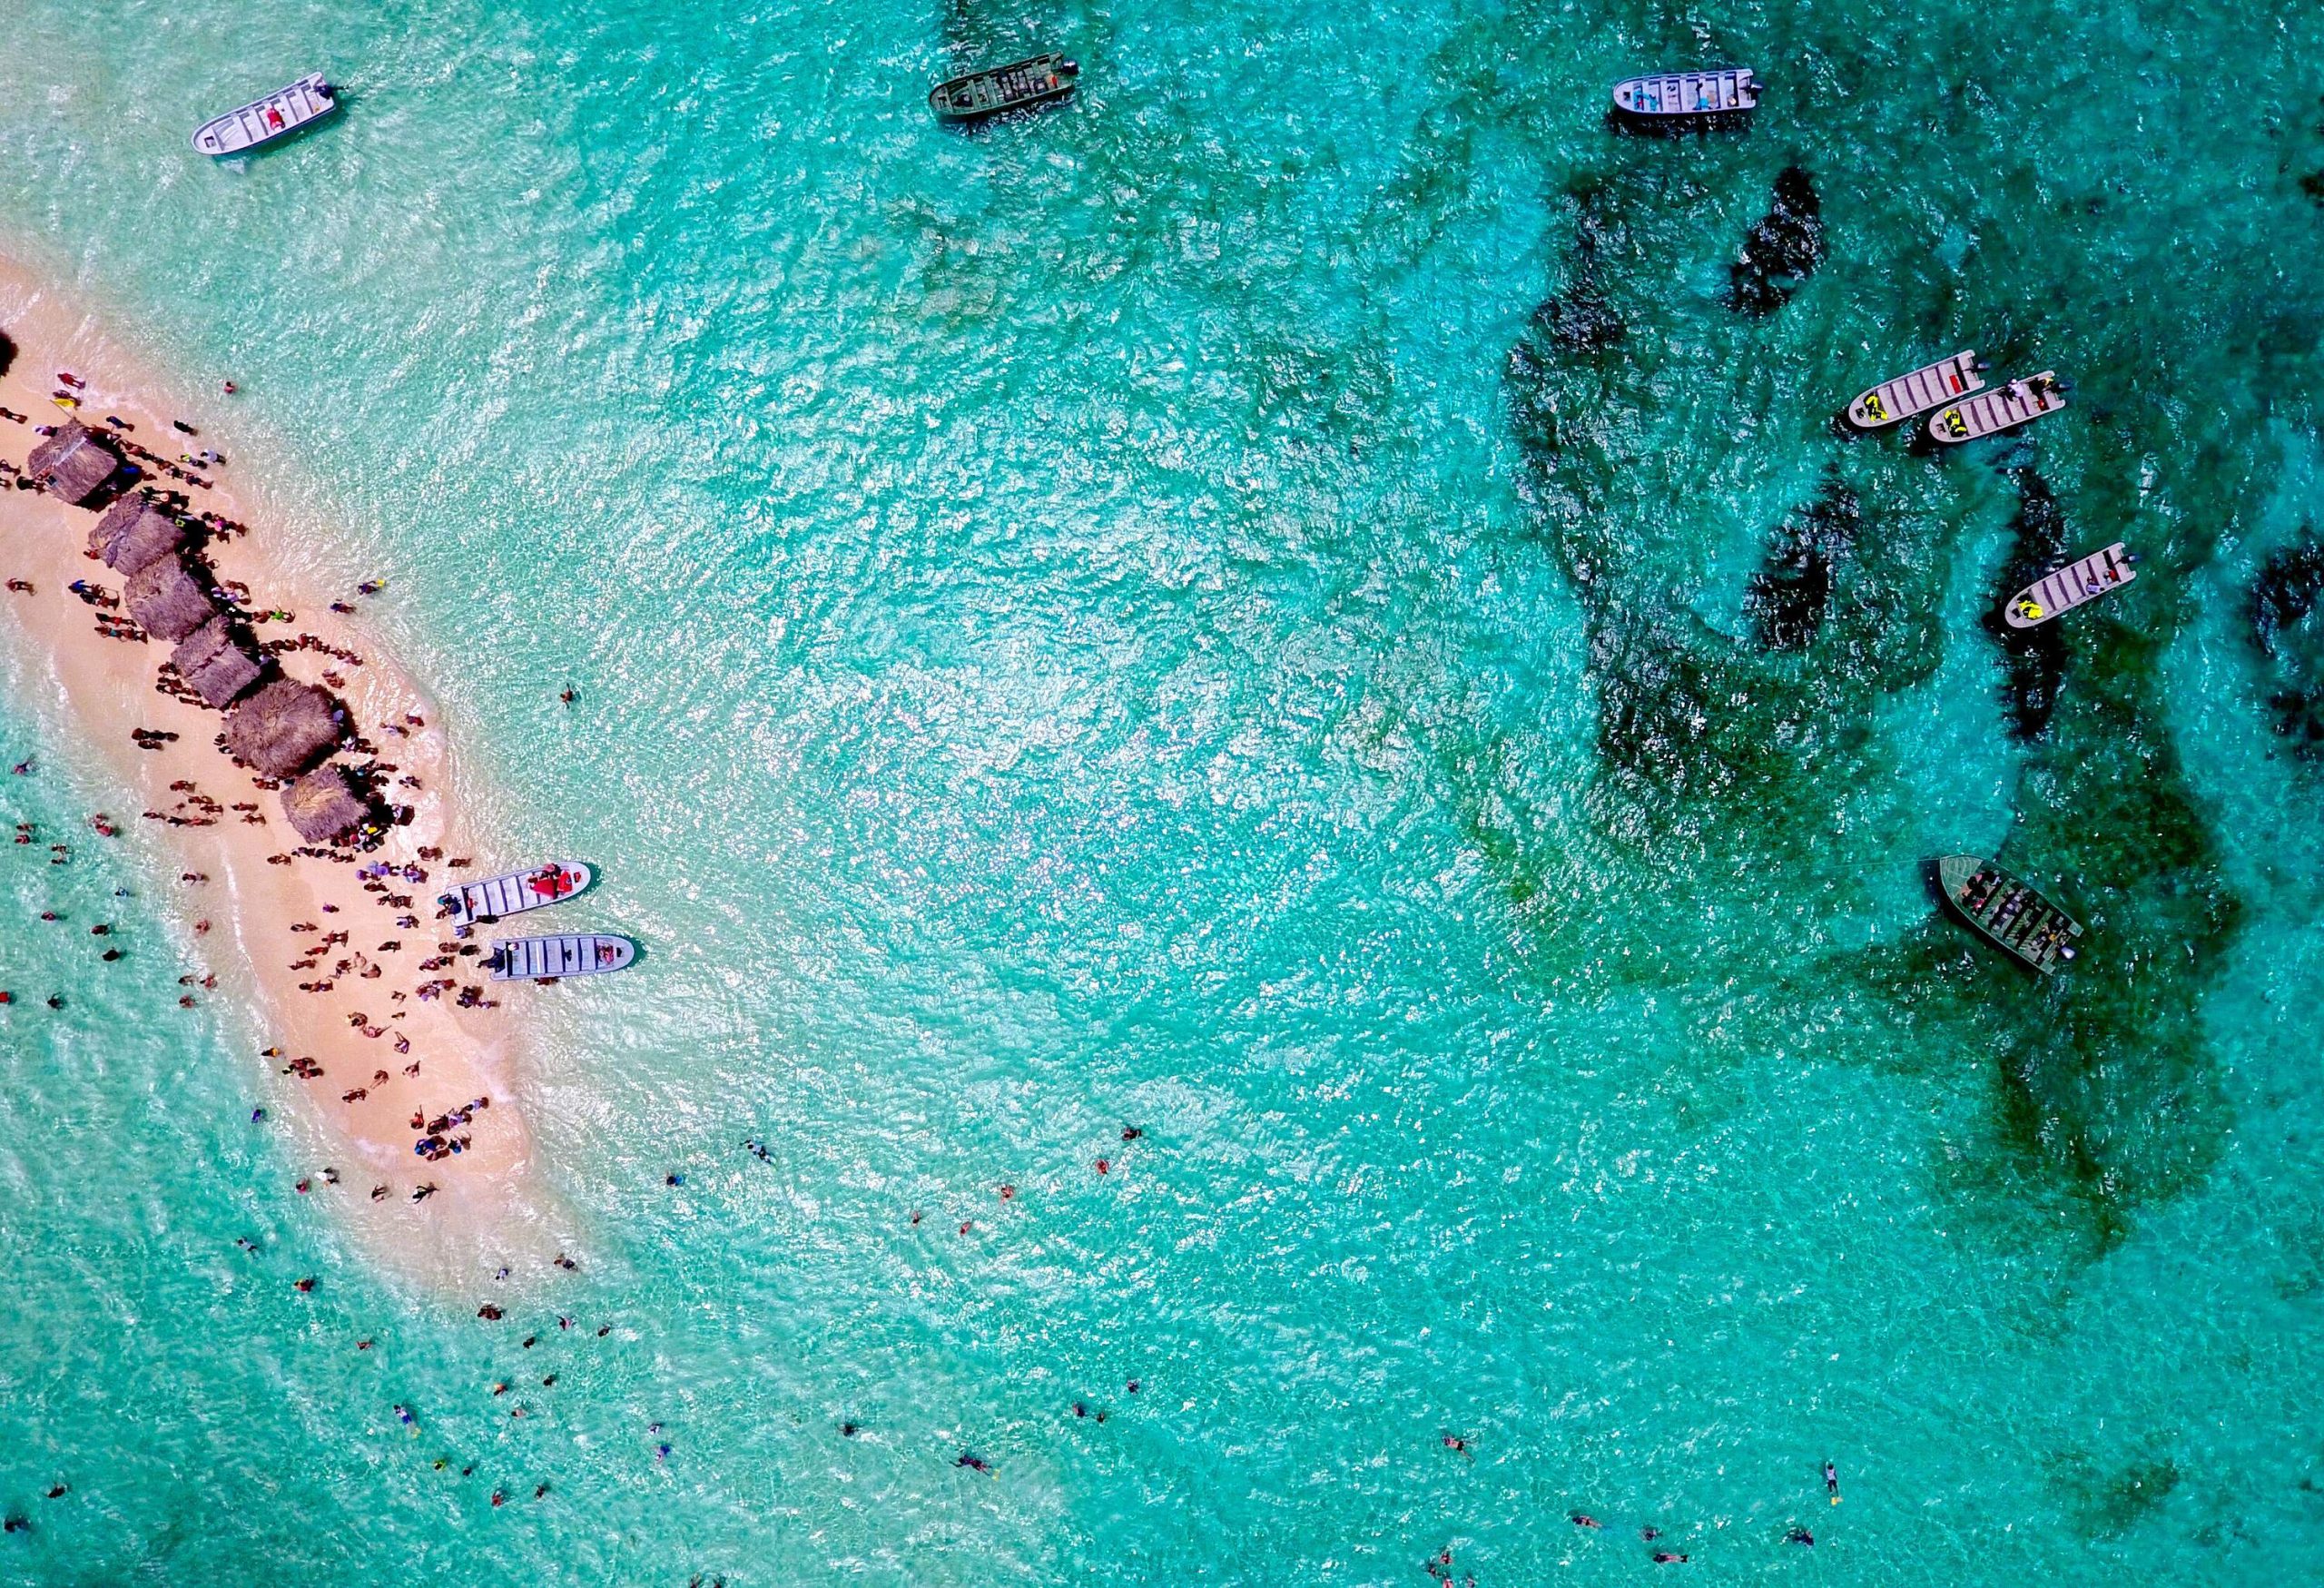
551, 958
2072, 586
1998, 408
514, 892
1908, 395
263, 121
1725, 91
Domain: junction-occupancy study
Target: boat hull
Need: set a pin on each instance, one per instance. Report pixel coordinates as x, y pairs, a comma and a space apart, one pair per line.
998, 90
552, 959
1910, 395
2008, 913
1667, 95
281, 114
514, 892
1997, 409
2076, 584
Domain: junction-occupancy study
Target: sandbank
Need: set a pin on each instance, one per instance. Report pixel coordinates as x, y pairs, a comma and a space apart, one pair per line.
385, 1053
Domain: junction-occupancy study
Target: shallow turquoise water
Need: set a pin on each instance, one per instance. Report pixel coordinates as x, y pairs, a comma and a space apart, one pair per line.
1132, 618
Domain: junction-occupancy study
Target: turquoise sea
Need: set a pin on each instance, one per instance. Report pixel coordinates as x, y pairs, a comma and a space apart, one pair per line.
1277, 603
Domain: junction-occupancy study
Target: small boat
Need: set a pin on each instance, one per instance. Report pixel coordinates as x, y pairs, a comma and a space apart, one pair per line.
2008, 913
262, 120
516, 892
996, 89
1998, 408
545, 959
2070, 587
1925, 387
1687, 94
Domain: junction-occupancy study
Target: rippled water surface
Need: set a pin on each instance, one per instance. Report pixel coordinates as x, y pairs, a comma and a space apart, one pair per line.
1296, 603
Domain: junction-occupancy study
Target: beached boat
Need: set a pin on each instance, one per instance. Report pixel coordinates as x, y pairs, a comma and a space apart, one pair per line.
1998, 408
2008, 913
1016, 86
545, 959
516, 892
262, 120
1930, 386
2070, 587
1687, 94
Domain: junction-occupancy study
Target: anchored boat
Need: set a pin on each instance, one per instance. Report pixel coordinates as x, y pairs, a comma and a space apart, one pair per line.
518, 891
262, 120
1925, 387
545, 959
1687, 94
1016, 86
2070, 587
2008, 913
1998, 408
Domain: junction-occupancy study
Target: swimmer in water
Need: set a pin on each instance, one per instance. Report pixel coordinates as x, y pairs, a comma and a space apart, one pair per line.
1579, 1520
1799, 1535
973, 1463
1663, 1557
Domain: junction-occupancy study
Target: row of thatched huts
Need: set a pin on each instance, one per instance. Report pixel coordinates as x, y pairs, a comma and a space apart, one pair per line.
136, 538
285, 730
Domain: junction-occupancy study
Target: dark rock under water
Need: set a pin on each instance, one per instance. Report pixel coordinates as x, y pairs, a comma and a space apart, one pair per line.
1789, 595
2035, 657
1782, 249
2289, 634
1581, 318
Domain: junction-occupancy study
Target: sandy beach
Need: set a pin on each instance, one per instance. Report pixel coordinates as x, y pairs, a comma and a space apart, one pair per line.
328, 963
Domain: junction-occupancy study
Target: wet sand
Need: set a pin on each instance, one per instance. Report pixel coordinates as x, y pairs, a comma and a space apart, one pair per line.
259, 926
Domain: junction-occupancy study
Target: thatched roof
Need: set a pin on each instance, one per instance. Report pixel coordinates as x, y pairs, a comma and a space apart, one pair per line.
323, 805
74, 464
284, 728
214, 665
167, 601
133, 533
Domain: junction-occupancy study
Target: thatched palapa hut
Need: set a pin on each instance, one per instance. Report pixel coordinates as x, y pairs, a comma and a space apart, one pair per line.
284, 728
74, 464
214, 664
167, 601
132, 534
323, 805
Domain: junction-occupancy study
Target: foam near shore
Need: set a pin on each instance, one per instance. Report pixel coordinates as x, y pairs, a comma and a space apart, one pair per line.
381, 1054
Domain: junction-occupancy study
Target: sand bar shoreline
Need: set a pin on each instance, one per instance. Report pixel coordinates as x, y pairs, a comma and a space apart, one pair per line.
342, 990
